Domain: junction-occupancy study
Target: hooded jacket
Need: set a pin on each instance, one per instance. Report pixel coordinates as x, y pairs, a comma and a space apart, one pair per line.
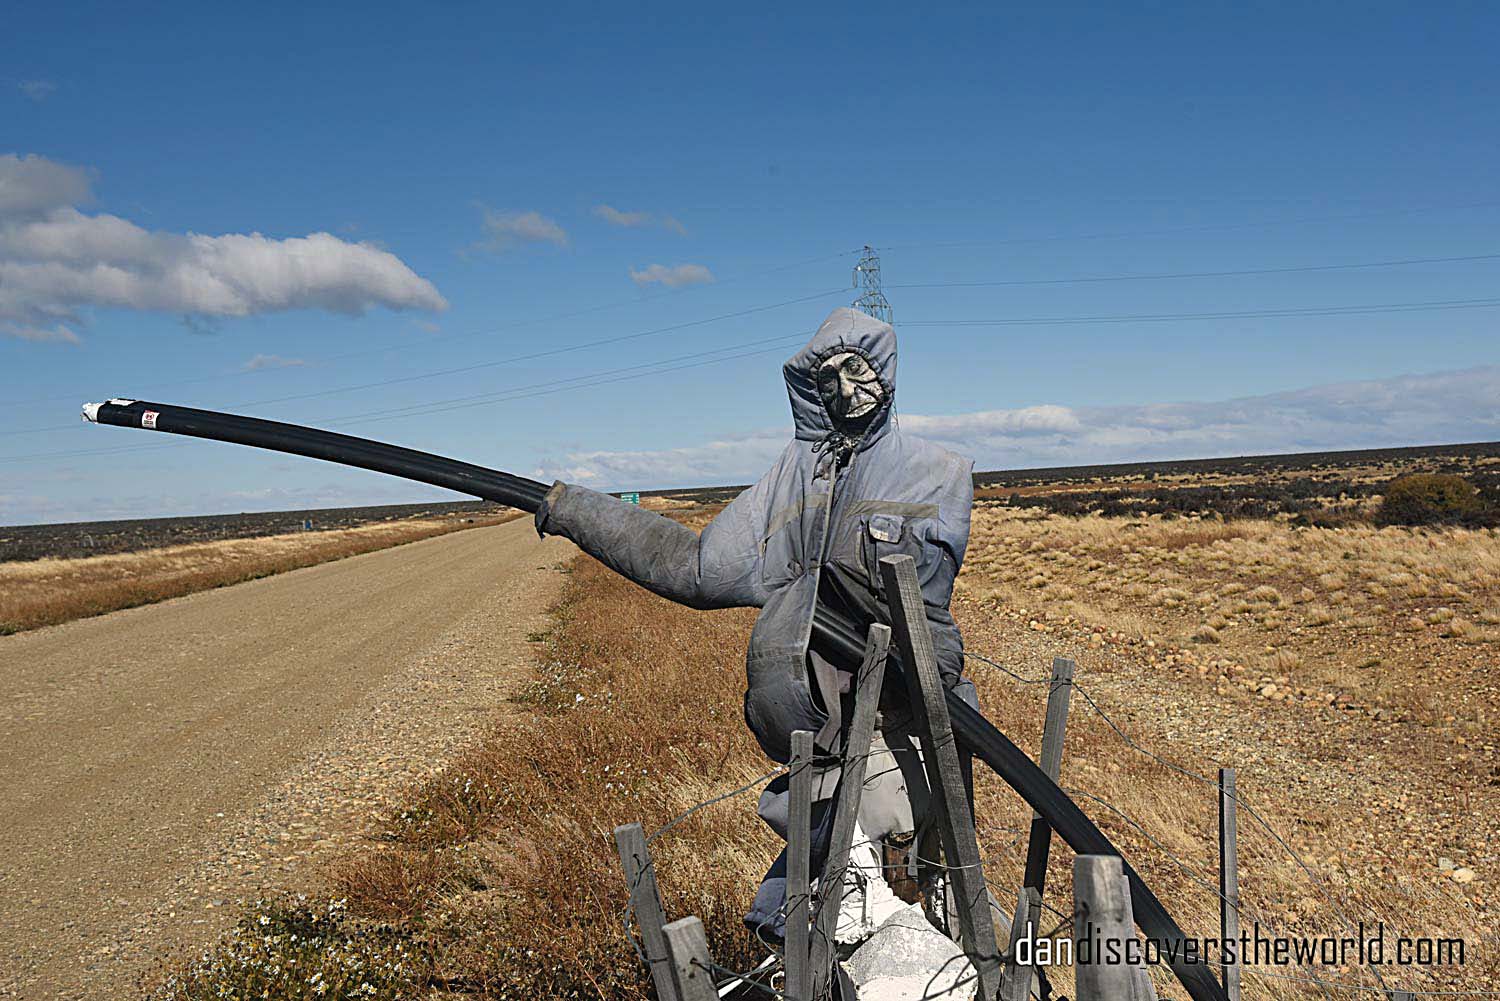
814, 528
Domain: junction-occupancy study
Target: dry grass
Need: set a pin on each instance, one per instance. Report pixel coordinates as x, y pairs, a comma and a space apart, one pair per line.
1368, 746
1179, 586
1363, 720
502, 870
636, 717
46, 592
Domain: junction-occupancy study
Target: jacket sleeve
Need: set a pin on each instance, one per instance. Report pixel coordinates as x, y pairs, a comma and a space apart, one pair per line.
718, 569
947, 540
946, 553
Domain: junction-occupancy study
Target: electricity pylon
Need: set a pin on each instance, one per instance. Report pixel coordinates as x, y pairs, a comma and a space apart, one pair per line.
867, 279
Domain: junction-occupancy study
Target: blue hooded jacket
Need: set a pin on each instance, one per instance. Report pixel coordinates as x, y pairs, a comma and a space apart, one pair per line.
812, 529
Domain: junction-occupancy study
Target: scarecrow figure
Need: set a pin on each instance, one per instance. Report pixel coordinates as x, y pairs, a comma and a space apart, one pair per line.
849, 489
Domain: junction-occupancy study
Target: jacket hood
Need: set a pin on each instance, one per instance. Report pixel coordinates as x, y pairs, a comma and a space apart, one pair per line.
845, 329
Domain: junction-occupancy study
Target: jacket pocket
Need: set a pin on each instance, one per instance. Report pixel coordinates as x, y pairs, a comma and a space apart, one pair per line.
778, 557
885, 535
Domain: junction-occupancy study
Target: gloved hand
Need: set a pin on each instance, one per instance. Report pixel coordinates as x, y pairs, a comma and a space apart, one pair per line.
545, 508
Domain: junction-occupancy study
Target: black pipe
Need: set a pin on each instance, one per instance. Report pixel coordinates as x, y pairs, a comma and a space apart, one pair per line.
835, 637
464, 477
838, 640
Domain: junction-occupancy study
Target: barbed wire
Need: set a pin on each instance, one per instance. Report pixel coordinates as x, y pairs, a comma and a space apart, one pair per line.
1339, 905
1240, 802
858, 871
738, 790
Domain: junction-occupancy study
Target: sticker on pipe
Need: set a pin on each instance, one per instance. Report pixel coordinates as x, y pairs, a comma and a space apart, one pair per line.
148, 419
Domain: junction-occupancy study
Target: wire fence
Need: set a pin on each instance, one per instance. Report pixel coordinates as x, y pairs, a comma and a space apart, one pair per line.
760, 980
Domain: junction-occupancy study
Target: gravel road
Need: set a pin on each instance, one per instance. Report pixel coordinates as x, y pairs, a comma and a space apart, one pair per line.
163, 764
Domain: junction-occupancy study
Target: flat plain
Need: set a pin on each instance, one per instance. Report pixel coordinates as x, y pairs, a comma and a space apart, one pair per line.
1252, 615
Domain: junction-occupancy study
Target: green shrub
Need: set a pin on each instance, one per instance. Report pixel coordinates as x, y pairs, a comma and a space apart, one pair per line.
293, 949
1428, 499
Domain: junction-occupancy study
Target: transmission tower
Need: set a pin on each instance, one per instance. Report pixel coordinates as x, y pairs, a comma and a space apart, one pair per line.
867, 279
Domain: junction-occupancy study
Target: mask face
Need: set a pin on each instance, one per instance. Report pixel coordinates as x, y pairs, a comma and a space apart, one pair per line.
849, 387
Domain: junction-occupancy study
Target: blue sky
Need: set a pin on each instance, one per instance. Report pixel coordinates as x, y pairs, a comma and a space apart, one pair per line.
241, 209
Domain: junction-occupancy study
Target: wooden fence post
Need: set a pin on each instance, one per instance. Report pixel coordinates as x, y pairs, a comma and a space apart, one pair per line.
798, 878
691, 966
945, 777
645, 902
1403, 996
1059, 694
1229, 880
1101, 916
1141, 987
851, 782
1015, 984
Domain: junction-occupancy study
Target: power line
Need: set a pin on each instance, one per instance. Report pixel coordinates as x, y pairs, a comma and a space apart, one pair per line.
1394, 307
531, 356
491, 331
441, 406
578, 382
1201, 274
600, 378
549, 353
803, 263
872, 301
1211, 228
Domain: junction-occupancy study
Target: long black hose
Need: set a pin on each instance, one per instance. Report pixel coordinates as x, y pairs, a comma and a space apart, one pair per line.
835, 637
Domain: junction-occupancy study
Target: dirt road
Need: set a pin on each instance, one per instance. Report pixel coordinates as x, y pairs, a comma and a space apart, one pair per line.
161, 763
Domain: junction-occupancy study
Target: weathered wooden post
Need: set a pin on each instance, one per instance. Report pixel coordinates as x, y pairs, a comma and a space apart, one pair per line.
645, 902
691, 967
798, 877
1059, 695
1229, 880
1101, 917
944, 776
851, 782
1403, 996
1015, 983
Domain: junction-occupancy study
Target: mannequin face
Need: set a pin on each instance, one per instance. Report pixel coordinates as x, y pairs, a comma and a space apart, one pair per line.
849, 387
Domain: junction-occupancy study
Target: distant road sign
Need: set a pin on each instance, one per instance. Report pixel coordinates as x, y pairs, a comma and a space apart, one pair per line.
631, 498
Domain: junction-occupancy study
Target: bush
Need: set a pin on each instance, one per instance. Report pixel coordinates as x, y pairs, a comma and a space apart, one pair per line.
293, 949
1429, 499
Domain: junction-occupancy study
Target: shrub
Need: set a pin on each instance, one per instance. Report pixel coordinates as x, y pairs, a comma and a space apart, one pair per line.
1206, 634
293, 949
1428, 499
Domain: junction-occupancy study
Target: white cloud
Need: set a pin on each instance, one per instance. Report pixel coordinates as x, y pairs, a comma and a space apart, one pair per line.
57, 261
673, 277
615, 217
635, 220
1438, 408
1044, 419
259, 362
31, 186
505, 230
38, 90
735, 459
59, 333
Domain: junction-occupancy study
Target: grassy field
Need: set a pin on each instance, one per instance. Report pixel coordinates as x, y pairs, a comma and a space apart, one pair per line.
44, 592
1349, 674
